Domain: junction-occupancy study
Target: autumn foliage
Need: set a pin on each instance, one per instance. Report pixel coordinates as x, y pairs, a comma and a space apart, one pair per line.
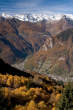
23, 93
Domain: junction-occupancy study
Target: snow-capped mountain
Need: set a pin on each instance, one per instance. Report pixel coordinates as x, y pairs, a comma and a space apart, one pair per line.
38, 17
6, 15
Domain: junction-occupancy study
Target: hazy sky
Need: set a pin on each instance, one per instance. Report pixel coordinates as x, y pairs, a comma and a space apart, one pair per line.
51, 6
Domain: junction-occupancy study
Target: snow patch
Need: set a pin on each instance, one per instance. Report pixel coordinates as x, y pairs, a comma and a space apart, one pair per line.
37, 17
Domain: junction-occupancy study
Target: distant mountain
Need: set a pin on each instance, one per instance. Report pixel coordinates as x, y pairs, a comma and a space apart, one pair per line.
37, 17
58, 26
54, 24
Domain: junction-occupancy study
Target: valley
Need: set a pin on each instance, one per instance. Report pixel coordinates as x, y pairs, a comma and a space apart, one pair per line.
43, 46
36, 62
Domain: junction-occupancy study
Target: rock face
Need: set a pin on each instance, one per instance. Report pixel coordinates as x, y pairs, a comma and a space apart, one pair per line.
48, 44
55, 56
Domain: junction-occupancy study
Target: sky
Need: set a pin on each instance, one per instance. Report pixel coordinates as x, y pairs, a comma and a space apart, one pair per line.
36, 6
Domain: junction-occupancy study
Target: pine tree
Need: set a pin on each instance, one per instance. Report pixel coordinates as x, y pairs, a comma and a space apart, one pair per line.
66, 100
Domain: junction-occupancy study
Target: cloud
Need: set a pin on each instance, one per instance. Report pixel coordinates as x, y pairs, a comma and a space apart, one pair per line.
25, 5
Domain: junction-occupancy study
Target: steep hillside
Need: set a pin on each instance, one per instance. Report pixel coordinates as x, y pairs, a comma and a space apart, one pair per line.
55, 56
19, 39
27, 91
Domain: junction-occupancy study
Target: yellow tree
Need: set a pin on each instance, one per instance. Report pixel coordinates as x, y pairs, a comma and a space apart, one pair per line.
32, 105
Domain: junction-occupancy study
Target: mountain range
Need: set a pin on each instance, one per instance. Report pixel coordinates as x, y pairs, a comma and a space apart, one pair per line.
37, 17
36, 42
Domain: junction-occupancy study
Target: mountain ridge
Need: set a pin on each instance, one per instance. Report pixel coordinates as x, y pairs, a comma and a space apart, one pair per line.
21, 39
37, 17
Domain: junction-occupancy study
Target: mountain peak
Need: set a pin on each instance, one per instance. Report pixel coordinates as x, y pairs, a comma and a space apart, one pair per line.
38, 17
6, 15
